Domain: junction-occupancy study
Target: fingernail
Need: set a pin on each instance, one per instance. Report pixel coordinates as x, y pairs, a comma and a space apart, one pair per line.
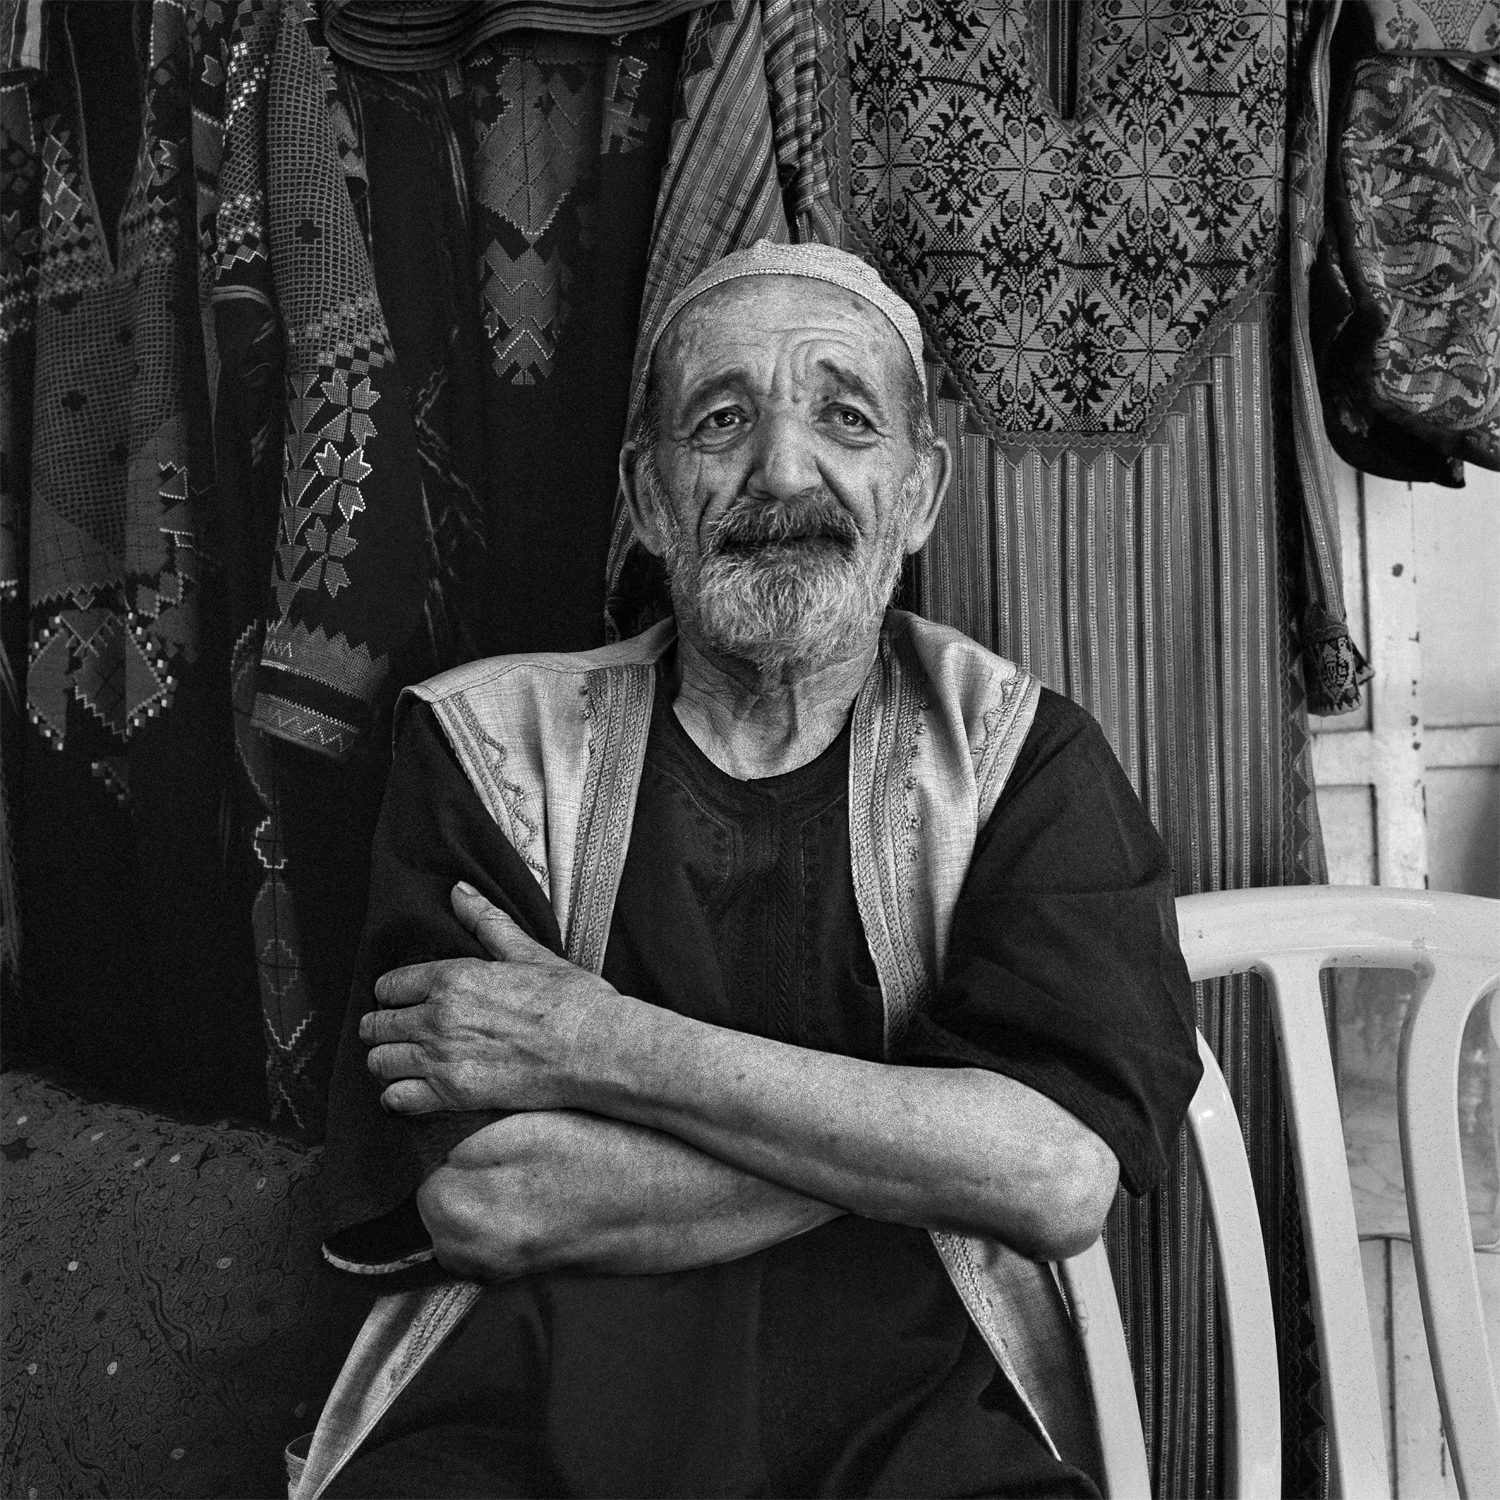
466, 888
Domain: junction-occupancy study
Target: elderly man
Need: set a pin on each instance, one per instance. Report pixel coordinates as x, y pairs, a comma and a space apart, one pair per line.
749, 1010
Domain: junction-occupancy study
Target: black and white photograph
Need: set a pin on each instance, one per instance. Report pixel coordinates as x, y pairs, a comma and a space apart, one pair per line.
749, 748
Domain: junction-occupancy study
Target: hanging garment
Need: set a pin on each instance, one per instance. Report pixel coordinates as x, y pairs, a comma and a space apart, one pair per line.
457, 256
131, 885
1408, 281
149, 531
509, 211
368, 530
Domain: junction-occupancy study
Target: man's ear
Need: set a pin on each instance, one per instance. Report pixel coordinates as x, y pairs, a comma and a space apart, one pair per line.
643, 516
939, 469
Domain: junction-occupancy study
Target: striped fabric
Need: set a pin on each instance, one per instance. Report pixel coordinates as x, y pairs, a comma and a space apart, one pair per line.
1142, 585
1334, 666
421, 34
1060, 46
1148, 584
745, 163
738, 122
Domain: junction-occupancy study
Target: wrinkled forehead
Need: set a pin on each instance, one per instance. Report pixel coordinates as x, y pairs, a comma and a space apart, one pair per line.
760, 323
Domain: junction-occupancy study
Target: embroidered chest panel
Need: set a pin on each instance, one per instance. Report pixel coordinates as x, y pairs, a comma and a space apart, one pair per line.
1067, 269
544, 110
120, 474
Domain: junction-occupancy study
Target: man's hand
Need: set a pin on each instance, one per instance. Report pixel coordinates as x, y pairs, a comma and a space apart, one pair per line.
941, 1148
556, 1190
467, 1033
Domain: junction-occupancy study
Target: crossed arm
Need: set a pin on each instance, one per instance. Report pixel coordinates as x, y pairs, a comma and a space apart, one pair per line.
642, 1140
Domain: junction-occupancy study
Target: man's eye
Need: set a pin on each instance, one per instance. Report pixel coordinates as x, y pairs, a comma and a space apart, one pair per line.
723, 420
849, 419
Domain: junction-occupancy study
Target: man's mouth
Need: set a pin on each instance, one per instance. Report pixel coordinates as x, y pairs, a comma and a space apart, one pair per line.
797, 541
813, 525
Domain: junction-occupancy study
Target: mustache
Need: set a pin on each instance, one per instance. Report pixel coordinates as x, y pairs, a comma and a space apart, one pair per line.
750, 524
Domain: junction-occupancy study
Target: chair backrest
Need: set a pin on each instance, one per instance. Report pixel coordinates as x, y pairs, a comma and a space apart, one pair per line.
1451, 944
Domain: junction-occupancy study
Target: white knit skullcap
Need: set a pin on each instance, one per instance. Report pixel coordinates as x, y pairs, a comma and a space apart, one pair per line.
819, 263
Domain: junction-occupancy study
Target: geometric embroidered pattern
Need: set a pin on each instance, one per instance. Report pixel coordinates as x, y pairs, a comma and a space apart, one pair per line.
285, 993
527, 161
524, 311
330, 423
1067, 269
115, 566
1436, 26
541, 113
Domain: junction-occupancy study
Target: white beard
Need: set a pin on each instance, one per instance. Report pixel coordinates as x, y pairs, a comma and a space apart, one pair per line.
803, 604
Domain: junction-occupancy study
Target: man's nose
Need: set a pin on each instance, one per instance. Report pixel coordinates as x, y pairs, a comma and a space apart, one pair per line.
783, 457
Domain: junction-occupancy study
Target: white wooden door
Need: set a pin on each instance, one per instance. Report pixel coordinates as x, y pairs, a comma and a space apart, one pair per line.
1409, 795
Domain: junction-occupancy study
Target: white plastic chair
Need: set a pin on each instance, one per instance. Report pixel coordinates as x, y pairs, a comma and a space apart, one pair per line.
1288, 936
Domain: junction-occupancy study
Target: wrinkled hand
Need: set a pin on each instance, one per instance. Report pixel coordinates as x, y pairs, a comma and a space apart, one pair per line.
471, 1033
483, 1206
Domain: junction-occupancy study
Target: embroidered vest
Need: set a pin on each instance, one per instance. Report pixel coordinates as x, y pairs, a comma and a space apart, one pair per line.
554, 746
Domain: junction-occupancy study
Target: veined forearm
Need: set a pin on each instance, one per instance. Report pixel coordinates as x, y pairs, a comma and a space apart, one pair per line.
562, 1191
960, 1149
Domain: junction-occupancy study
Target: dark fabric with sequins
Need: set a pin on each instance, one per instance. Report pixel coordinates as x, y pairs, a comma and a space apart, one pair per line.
136, 959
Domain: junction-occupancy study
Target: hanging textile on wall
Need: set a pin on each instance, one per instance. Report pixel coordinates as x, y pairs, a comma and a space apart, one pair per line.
384, 487
1102, 292
429, 384
1408, 282
510, 201
375, 34
136, 965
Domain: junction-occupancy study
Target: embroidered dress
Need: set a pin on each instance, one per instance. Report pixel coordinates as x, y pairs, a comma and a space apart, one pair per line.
136, 959
405, 352
509, 210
